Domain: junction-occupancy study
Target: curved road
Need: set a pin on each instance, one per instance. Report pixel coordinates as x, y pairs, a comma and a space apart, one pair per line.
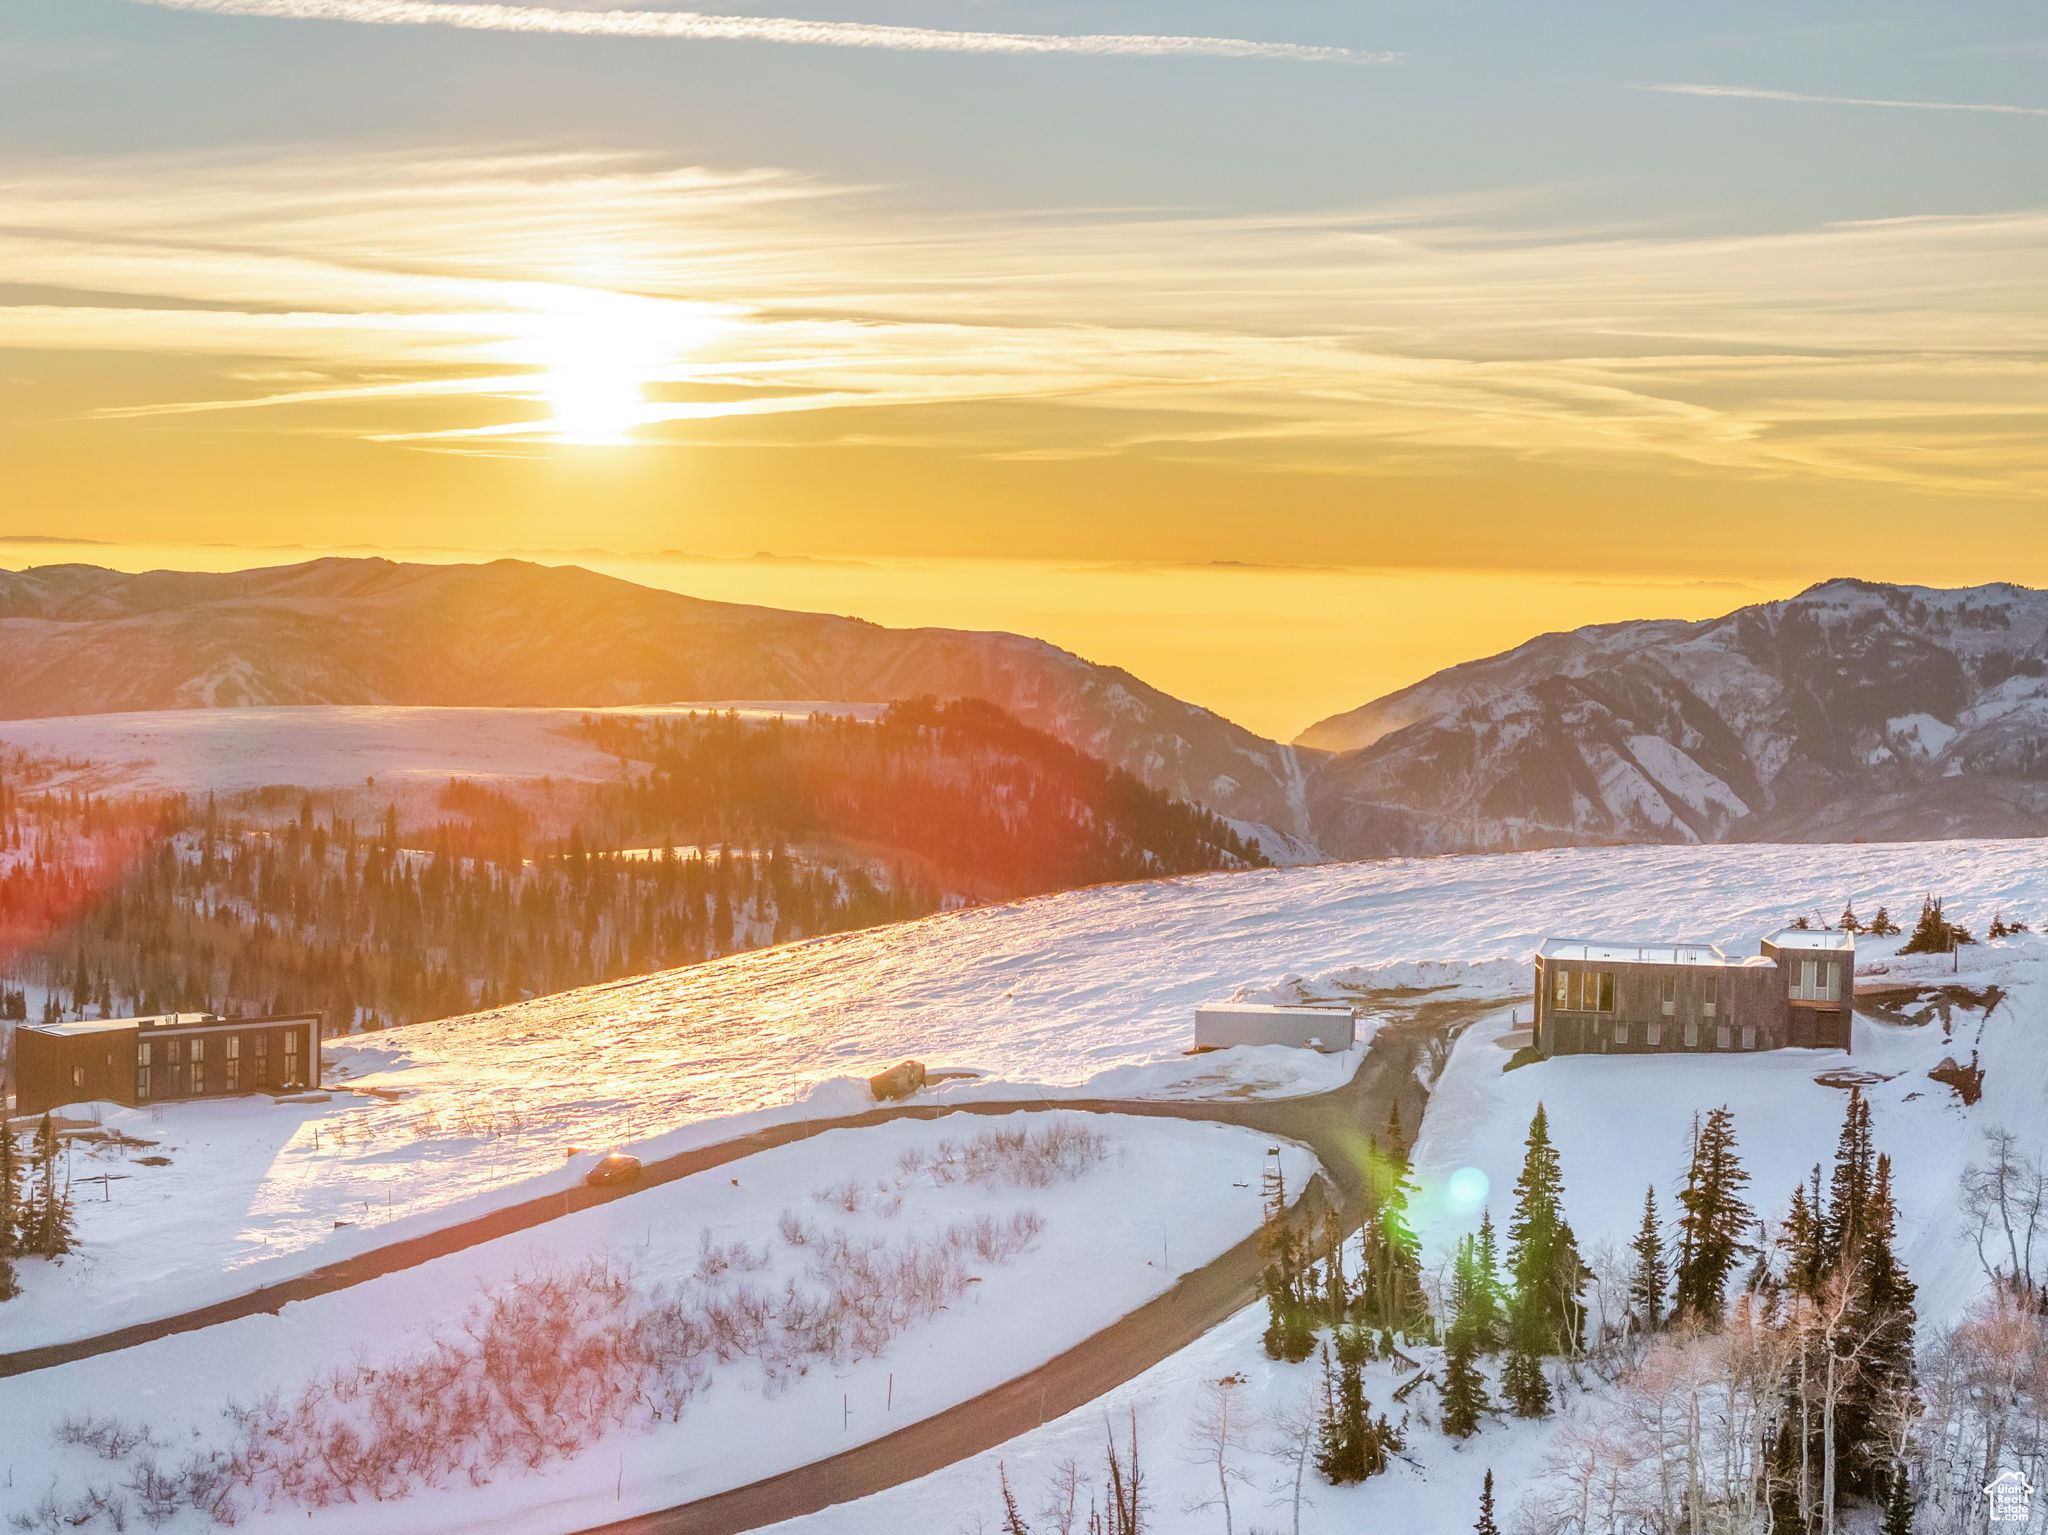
1334, 1124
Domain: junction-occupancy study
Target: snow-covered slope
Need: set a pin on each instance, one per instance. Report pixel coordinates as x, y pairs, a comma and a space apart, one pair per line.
1091, 989
703, 1243
1853, 709
1620, 1123
224, 751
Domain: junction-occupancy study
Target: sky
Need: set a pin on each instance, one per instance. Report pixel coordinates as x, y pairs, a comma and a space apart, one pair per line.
1118, 319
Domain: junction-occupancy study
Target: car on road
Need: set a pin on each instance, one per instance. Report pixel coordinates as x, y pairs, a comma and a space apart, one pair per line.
613, 1167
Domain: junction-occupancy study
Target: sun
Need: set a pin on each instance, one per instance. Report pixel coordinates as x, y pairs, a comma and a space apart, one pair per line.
598, 350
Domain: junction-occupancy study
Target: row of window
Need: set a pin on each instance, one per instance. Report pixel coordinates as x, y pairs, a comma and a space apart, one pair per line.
1585, 991
1653, 1034
190, 1055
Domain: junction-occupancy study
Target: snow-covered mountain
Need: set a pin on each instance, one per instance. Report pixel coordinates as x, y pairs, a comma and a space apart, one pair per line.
1851, 711
78, 639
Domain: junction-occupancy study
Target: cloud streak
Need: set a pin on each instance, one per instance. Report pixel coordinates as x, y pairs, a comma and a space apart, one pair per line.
698, 26
1749, 93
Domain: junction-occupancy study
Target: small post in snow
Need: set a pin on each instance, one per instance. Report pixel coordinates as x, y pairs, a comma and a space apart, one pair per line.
892, 1392
845, 1411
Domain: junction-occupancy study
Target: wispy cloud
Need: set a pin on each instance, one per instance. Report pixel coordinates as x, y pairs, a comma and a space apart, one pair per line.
698, 26
608, 297
1749, 93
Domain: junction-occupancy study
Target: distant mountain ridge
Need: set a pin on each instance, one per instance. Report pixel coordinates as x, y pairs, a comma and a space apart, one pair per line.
80, 639
1853, 710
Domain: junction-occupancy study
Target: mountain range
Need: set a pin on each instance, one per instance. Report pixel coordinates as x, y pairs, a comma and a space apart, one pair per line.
1853, 710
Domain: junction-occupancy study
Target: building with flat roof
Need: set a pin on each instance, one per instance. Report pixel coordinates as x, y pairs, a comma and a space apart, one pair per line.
1599, 996
1325, 1026
166, 1058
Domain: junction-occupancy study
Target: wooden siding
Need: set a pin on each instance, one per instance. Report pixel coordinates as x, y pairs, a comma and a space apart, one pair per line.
154, 1062
1743, 998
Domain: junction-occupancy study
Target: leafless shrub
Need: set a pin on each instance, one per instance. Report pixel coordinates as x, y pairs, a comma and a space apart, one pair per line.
996, 1239
849, 1196
538, 1370
109, 1438
794, 1229
1036, 1157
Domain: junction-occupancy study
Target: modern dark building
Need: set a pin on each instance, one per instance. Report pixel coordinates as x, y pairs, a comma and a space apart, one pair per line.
165, 1059
1597, 997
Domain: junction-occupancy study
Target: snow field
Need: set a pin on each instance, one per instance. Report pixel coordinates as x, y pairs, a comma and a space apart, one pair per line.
1619, 1123
1116, 1225
1090, 992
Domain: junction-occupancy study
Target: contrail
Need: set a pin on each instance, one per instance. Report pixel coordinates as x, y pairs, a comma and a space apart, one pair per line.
1847, 101
772, 29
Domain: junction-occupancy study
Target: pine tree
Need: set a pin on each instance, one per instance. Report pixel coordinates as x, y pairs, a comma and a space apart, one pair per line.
1800, 1241
1650, 1278
1013, 1521
1714, 1228
1547, 1316
1490, 1298
1849, 1187
1882, 926
50, 1212
1351, 1444
1485, 1524
1848, 922
1523, 1382
10, 1213
1464, 1389
1882, 1319
1290, 1331
1390, 1253
1934, 933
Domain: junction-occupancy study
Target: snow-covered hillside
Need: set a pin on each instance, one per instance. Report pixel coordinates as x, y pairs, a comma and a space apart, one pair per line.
994, 1245
1620, 1123
226, 751
1089, 991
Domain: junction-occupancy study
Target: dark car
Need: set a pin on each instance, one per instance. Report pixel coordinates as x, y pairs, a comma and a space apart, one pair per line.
613, 1167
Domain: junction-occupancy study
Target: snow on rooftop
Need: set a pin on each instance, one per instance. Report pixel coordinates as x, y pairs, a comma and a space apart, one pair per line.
84, 1026
1817, 939
1628, 952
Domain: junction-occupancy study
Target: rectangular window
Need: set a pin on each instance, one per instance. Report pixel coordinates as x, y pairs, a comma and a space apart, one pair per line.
145, 1054
231, 1077
1817, 981
1653, 1033
1692, 1034
1721, 1037
233, 1045
198, 1051
1749, 1036
1620, 1032
1564, 989
78, 1076
1710, 1007
174, 1051
198, 1079
142, 1076
1606, 991
1670, 993
262, 1043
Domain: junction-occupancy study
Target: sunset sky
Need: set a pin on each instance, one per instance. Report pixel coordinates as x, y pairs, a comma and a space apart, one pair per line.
1573, 312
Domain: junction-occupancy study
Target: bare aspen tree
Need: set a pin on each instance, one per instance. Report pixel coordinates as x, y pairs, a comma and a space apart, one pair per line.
1216, 1437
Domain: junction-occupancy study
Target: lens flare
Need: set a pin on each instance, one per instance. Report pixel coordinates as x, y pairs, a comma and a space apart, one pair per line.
1466, 1189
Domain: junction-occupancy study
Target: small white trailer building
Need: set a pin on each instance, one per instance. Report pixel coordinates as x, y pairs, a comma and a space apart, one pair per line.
1327, 1026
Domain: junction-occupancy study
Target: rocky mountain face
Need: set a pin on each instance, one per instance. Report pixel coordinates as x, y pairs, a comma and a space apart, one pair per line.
1854, 710
77, 639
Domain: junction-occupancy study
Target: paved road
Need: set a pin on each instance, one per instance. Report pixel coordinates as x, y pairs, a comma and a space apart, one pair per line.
1334, 1124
